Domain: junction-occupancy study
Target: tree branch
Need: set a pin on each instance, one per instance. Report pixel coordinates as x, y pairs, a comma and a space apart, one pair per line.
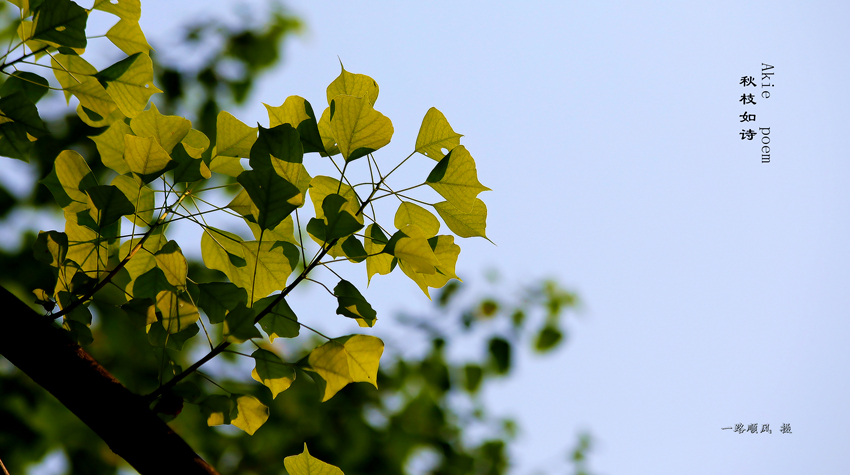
81, 384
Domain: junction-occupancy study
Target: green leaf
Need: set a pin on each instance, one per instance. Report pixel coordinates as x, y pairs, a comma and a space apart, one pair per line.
409, 213
177, 312
188, 169
357, 127
280, 322
159, 337
271, 194
32, 85
446, 252
436, 134
233, 137
306, 464
281, 142
272, 372
250, 413
14, 142
142, 312
345, 360
167, 130
297, 112
353, 249
358, 85
415, 250
548, 338
69, 180
326, 134
217, 298
139, 195
107, 204
340, 222
456, 179
353, 305
146, 158
128, 37
50, 247
500, 354
130, 83
473, 375
322, 186
470, 223
17, 107
216, 409
230, 166
175, 267
61, 22
239, 324
195, 143
110, 145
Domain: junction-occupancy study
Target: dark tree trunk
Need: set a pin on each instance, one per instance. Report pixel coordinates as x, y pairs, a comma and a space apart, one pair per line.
85, 387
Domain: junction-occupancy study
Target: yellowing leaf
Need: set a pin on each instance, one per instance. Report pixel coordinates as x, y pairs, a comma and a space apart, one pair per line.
172, 263
130, 10
409, 213
417, 253
349, 84
357, 127
346, 360
93, 96
128, 36
110, 145
177, 313
233, 137
456, 179
272, 372
306, 464
87, 248
251, 414
95, 120
436, 134
167, 130
464, 223
134, 87
75, 177
145, 156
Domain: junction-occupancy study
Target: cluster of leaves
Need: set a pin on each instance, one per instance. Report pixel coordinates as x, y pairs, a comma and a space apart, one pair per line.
165, 170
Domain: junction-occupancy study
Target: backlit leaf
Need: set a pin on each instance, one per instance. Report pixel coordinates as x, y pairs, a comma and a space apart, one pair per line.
178, 313
297, 112
456, 179
107, 204
170, 259
110, 145
306, 464
233, 137
464, 223
272, 372
130, 10
326, 134
32, 85
436, 134
132, 89
349, 84
281, 321
239, 324
352, 304
72, 178
145, 157
230, 166
167, 130
188, 169
250, 414
346, 360
217, 298
128, 37
139, 195
374, 244
50, 247
195, 143
322, 186
409, 213
271, 194
357, 127
61, 22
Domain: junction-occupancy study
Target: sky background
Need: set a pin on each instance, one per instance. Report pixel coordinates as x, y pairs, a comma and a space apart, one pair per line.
713, 285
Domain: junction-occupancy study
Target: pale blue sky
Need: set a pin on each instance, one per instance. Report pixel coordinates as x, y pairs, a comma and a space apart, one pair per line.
714, 285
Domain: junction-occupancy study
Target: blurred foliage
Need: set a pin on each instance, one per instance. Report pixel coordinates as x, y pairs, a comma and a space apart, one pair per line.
425, 405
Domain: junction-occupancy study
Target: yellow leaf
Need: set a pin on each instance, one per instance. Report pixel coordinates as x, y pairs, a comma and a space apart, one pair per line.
436, 134
230, 166
130, 10
25, 33
346, 360
251, 414
409, 213
456, 179
233, 137
417, 253
292, 111
349, 84
296, 174
357, 127
72, 170
167, 130
93, 96
464, 223
306, 464
132, 89
87, 248
172, 263
177, 313
110, 145
195, 143
127, 35
115, 116
140, 195
379, 263
144, 155
327, 135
